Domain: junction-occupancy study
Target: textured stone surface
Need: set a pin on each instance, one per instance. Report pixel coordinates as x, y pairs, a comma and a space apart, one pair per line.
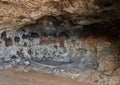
12, 77
65, 50
15, 14
75, 38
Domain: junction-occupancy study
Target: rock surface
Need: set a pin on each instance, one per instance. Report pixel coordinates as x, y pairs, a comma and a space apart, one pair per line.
15, 14
53, 46
34, 78
75, 38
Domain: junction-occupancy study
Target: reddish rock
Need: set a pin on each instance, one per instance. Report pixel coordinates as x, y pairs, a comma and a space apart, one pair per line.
55, 46
8, 42
61, 43
46, 41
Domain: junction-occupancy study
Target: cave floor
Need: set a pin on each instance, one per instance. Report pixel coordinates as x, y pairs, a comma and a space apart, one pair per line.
11, 77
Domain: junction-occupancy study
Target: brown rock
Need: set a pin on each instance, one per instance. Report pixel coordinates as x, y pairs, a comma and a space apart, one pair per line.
24, 12
8, 42
107, 62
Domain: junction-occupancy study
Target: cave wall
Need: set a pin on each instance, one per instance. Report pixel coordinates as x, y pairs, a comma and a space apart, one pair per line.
15, 14
64, 47
75, 38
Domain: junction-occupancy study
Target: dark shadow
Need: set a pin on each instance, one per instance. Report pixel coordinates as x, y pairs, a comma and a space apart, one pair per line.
59, 27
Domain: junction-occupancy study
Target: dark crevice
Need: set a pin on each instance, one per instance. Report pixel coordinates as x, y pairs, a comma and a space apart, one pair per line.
60, 26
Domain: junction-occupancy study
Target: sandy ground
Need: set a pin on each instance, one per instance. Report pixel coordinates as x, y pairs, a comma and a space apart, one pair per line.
11, 77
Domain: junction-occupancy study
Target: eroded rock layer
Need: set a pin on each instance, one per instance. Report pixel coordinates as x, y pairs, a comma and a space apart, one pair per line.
75, 38
15, 14
59, 45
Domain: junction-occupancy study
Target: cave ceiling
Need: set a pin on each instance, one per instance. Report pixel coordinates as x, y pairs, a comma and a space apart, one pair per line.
17, 13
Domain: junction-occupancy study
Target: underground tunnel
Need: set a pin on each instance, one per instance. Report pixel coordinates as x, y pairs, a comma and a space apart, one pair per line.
81, 46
